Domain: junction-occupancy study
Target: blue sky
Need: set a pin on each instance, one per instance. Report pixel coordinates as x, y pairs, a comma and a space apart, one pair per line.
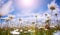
42, 5
16, 10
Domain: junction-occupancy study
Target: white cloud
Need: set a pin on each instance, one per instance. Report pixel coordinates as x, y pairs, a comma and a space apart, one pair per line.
27, 6
5, 9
